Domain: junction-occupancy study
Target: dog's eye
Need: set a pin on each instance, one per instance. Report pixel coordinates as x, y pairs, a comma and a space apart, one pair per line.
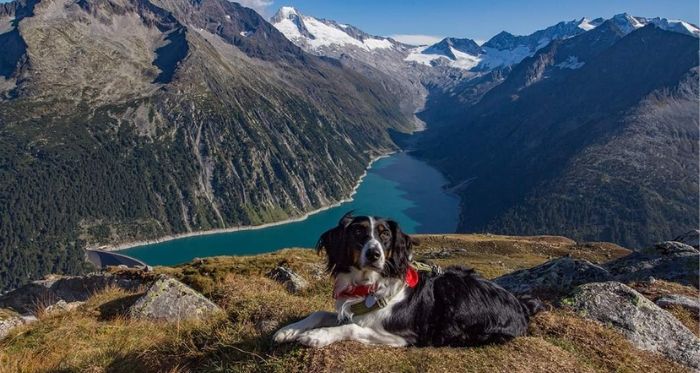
358, 232
385, 235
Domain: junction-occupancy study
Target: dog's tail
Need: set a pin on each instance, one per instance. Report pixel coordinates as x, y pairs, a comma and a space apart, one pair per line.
530, 305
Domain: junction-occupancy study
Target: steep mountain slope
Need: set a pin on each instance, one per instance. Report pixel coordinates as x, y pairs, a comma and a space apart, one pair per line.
380, 59
125, 119
594, 137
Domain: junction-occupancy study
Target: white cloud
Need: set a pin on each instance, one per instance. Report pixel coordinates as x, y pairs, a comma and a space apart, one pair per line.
260, 6
480, 41
416, 39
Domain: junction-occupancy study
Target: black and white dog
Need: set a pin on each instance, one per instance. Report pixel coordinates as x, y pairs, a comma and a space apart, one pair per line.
382, 299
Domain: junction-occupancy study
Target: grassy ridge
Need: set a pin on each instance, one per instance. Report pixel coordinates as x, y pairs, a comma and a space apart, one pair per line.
98, 337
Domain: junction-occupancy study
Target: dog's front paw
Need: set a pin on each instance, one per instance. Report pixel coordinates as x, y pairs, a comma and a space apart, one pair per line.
315, 338
286, 334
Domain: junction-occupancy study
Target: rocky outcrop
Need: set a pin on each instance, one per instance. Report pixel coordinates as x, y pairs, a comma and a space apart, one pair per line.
170, 300
40, 294
691, 238
669, 260
646, 325
555, 277
55, 289
673, 300
292, 281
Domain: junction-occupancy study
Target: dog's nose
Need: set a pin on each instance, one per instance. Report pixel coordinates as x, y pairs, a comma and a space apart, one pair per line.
373, 254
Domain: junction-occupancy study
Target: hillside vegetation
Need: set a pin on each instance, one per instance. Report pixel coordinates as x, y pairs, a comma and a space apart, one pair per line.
135, 119
99, 337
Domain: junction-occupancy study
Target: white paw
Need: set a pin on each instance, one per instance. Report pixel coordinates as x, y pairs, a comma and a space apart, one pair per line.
286, 334
315, 338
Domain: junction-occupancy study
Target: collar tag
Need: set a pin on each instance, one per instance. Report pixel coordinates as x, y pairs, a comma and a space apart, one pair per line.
370, 301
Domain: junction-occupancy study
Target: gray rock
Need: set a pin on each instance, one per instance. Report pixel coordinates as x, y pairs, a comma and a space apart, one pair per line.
691, 238
63, 306
6, 325
554, 277
646, 325
667, 301
170, 300
669, 260
9, 323
292, 281
51, 290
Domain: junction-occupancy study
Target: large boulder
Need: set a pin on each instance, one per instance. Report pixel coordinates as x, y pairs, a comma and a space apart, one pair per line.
669, 260
170, 300
29, 298
285, 276
555, 277
646, 325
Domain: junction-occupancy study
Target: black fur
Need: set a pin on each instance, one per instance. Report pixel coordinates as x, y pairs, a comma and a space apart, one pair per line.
334, 242
459, 308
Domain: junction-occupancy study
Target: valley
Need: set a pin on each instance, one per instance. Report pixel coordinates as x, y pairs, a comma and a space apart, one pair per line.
397, 186
129, 121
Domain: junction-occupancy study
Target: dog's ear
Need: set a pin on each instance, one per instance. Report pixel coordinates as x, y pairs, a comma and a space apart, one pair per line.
333, 241
401, 246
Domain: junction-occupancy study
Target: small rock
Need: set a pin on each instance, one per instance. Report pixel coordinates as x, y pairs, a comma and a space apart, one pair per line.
63, 306
266, 326
667, 301
646, 325
170, 300
554, 277
7, 324
292, 281
691, 238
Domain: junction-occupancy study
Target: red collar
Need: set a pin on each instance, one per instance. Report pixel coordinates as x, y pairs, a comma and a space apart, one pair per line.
362, 291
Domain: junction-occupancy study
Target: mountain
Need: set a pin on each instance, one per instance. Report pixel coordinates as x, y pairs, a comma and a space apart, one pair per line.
506, 49
594, 136
378, 58
123, 120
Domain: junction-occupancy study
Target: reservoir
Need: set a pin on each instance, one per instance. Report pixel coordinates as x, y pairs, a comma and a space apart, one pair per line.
399, 186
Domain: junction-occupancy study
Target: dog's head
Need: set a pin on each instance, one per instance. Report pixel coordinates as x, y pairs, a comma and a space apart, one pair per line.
367, 243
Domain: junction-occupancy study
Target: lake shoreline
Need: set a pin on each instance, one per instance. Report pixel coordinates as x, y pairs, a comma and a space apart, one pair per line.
133, 244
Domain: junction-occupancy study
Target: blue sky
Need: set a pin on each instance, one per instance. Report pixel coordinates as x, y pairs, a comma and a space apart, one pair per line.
476, 19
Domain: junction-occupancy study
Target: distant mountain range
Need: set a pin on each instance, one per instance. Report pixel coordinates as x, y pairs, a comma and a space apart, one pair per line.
588, 128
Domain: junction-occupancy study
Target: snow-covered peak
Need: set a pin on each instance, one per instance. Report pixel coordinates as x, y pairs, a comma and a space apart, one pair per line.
287, 11
587, 24
627, 23
314, 33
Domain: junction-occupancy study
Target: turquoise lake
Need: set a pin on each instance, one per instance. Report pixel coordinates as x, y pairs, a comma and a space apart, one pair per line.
399, 186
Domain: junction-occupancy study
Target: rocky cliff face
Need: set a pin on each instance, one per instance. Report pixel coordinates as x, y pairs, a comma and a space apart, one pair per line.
130, 119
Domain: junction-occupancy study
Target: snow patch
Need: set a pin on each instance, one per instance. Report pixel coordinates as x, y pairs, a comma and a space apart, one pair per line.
586, 25
416, 55
493, 57
373, 43
288, 28
328, 35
